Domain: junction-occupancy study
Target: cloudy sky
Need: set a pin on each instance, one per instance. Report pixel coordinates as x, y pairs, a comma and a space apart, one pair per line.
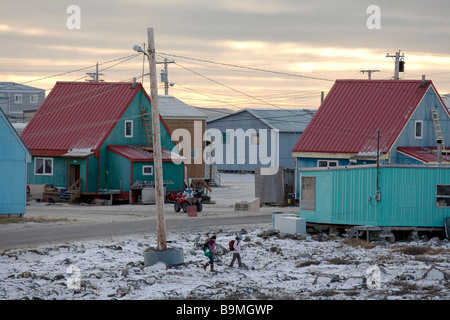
227, 53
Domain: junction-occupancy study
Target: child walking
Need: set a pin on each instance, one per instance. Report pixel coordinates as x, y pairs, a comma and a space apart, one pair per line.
209, 252
237, 251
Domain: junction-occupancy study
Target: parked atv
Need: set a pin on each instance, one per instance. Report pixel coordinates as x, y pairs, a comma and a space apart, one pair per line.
184, 203
204, 196
173, 196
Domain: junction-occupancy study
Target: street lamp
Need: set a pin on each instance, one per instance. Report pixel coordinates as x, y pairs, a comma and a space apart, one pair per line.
139, 50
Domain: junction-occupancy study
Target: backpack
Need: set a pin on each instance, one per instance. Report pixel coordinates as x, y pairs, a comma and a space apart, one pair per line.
231, 245
206, 249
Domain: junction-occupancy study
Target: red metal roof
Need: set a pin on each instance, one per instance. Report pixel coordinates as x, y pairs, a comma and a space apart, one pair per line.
77, 115
348, 119
140, 153
425, 155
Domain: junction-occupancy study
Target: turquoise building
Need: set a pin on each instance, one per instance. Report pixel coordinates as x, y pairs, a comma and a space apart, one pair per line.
96, 138
399, 195
14, 157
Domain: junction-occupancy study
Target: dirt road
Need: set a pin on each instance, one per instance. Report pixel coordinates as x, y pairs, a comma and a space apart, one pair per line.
88, 221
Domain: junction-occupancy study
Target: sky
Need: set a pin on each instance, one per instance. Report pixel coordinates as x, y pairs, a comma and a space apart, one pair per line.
231, 54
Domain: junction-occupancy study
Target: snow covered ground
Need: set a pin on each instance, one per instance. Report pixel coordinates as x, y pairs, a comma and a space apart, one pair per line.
316, 266
276, 267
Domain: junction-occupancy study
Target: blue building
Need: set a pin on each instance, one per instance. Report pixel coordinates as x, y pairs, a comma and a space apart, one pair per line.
248, 138
14, 157
396, 121
20, 102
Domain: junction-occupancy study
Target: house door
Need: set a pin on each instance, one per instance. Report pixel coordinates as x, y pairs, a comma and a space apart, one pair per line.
74, 173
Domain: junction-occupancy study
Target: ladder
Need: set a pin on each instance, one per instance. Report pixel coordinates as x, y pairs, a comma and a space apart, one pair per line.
437, 127
147, 127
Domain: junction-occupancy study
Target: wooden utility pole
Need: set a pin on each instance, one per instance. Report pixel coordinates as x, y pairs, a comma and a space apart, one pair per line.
369, 72
397, 69
157, 159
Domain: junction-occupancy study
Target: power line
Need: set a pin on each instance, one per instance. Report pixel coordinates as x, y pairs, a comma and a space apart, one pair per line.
248, 68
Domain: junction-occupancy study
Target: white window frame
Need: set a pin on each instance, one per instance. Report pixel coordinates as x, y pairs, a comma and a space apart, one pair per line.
128, 135
442, 200
18, 98
328, 163
44, 160
308, 195
34, 98
421, 129
146, 173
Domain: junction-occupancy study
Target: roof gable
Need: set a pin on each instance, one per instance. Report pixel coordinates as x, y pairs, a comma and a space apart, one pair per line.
8, 125
78, 115
284, 120
353, 111
172, 108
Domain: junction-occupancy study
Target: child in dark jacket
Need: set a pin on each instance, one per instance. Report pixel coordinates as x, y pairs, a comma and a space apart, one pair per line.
209, 252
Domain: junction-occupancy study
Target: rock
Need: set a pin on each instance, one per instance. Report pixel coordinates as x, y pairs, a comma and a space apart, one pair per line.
404, 277
26, 274
323, 279
353, 282
122, 291
323, 237
435, 274
125, 273
151, 280
59, 277
159, 266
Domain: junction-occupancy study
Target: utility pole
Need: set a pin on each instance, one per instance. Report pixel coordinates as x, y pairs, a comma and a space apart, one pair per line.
165, 75
378, 165
94, 75
369, 72
157, 158
399, 64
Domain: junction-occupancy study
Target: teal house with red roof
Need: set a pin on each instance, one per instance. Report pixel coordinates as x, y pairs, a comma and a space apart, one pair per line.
374, 154
94, 139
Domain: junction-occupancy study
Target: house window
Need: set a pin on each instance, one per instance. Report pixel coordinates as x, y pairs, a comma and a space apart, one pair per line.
147, 170
327, 163
443, 195
43, 166
255, 138
418, 129
308, 193
194, 153
17, 98
34, 98
128, 128
225, 137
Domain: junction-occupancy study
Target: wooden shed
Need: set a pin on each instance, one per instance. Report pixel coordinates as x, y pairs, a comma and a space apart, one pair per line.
14, 157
